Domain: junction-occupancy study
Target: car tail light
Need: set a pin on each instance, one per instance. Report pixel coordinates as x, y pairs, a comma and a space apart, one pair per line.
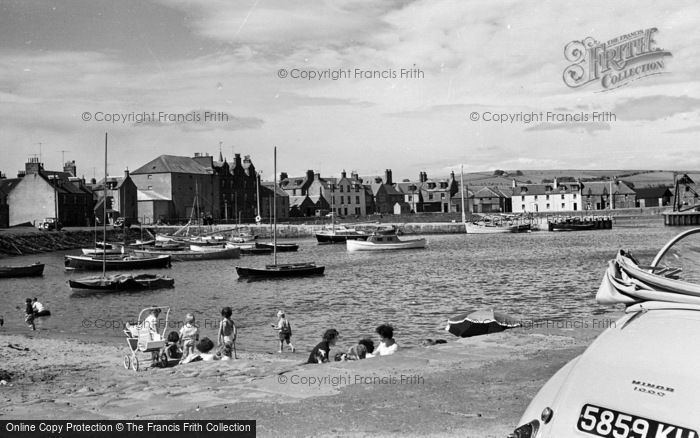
527, 430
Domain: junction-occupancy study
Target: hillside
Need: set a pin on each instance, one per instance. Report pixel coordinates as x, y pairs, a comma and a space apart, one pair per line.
640, 178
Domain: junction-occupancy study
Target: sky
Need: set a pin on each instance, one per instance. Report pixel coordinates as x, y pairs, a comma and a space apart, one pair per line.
238, 75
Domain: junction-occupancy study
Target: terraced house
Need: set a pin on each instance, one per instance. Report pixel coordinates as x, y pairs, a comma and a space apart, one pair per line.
37, 194
571, 196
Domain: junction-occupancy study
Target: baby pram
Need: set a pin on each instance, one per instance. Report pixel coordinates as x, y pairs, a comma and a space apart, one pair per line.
144, 339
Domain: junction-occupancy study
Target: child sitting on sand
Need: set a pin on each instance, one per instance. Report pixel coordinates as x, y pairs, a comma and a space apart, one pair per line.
321, 352
227, 335
203, 352
387, 345
189, 335
360, 350
172, 349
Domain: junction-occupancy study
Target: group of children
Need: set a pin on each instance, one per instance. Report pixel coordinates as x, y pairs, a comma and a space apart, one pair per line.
188, 347
363, 349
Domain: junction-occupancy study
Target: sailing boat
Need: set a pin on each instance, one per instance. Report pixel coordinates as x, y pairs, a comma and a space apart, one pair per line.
279, 270
281, 247
339, 233
117, 281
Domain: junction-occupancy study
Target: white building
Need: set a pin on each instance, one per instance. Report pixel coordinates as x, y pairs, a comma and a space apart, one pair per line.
553, 197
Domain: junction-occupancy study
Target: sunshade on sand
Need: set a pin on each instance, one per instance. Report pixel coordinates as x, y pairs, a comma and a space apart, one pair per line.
481, 322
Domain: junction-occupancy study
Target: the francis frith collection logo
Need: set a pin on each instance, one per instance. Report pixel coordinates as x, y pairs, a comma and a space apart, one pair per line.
616, 62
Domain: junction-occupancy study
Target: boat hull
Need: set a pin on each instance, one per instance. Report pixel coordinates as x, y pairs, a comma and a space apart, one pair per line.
188, 256
281, 271
100, 251
281, 247
123, 282
35, 270
90, 263
338, 237
472, 228
360, 245
572, 227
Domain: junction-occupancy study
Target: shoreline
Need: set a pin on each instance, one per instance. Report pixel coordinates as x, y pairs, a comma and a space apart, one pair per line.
469, 387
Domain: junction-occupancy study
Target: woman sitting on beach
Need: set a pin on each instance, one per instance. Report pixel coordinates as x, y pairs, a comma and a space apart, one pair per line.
321, 352
387, 345
202, 353
39, 309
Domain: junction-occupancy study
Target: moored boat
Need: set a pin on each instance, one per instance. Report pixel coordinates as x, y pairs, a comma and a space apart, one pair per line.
579, 223
119, 262
498, 224
200, 253
123, 282
281, 247
33, 270
340, 234
103, 248
383, 242
281, 270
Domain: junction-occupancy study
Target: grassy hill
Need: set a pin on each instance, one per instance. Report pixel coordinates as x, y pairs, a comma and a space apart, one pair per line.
640, 178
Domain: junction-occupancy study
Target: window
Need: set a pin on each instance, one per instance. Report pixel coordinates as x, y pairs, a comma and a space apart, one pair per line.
358, 211
430, 196
150, 176
341, 198
340, 188
547, 197
442, 196
562, 196
357, 199
574, 195
547, 206
563, 206
410, 198
522, 198
535, 197
522, 207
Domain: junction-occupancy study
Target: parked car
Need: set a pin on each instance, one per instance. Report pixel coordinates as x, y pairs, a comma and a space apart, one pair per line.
50, 223
639, 378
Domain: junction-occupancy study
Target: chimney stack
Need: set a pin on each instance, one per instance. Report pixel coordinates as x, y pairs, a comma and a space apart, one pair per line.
126, 173
387, 177
343, 174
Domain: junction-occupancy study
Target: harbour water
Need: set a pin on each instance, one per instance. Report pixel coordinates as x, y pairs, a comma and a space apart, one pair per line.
547, 277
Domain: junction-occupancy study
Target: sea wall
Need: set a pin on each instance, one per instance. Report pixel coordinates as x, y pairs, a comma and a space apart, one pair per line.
20, 242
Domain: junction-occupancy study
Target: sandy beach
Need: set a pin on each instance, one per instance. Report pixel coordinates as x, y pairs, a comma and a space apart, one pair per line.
474, 387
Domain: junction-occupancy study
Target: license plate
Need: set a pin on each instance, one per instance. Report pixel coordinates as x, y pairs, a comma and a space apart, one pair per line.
608, 423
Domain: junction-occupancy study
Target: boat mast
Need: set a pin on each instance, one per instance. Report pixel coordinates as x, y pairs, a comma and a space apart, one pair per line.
257, 187
104, 216
461, 181
274, 210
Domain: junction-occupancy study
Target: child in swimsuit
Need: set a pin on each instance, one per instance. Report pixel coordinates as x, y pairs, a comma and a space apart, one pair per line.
227, 335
